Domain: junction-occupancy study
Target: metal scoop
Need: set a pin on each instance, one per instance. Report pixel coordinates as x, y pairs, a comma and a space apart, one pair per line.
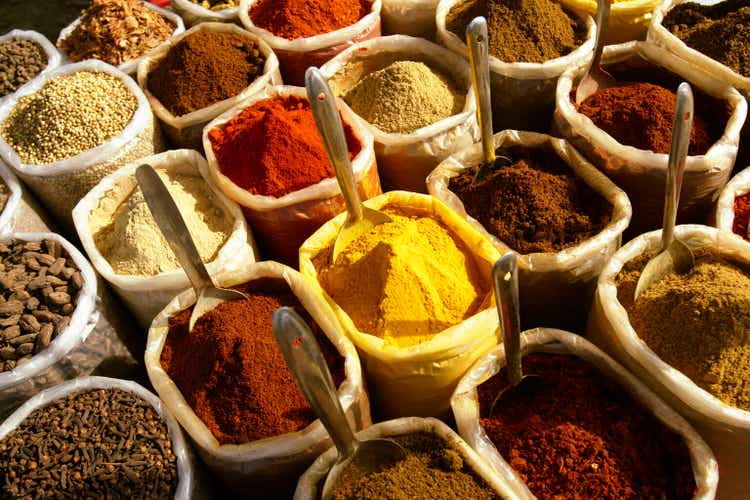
596, 78
505, 282
675, 256
478, 43
172, 226
302, 354
360, 219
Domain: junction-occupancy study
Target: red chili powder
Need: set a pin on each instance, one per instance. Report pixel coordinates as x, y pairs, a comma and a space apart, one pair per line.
273, 148
293, 19
231, 372
582, 436
742, 216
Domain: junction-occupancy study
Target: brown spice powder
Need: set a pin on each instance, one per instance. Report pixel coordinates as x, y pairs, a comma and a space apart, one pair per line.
534, 202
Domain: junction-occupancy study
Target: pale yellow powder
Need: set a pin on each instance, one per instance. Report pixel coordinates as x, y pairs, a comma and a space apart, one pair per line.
128, 237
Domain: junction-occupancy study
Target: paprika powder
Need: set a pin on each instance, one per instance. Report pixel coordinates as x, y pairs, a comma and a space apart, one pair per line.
741, 224
273, 148
581, 435
231, 372
292, 19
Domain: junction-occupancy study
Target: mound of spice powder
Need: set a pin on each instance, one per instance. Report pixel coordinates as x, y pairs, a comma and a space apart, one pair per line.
231, 372
204, 68
293, 19
720, 31
116, 31
20, 61
521, 30
431, 469
581, 435
273, 147
102, 443
532, 201
697, 322
741, 224
405, 280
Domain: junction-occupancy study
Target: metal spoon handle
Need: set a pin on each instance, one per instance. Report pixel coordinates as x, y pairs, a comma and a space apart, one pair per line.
309, 368
681, 127
505, 281
478, 42
173, 227
602, 19
331, 131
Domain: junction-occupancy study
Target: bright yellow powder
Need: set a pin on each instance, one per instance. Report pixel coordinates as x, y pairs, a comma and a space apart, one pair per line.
405, 281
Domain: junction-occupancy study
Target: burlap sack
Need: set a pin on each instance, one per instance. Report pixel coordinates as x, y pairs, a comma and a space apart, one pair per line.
267, 467
186, 131
465, 405
523, 94
146, 296
295, 56
557, 288
282, 224
405, 160
725, 428
420, 379
642, 173
724, 212
310, 485
409, 17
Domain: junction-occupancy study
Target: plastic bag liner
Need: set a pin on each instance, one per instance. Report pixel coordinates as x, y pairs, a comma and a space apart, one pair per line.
642, 173
724, 213
145, 296
310, 485
295, 56
409, 17
262, 467
420, 379
465, 404
60, 185
628, 19
282, 224
186, 131
14, 198
405, 160
725, 428
185, 462
523, 93
53, 56
557, 287
129, 67
193, 14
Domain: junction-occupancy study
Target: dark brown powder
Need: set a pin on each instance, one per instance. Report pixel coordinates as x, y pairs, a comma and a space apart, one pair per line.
521, 30
534, 202
432, 469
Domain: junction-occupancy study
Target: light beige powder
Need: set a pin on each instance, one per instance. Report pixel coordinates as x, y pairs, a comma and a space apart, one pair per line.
128, 237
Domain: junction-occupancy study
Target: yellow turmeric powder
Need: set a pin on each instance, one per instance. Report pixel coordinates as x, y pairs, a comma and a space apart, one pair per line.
405, 280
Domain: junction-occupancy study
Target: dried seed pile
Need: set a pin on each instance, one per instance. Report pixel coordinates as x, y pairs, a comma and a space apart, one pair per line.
40, 285
20, 61
217, 5
103, 443
68, 115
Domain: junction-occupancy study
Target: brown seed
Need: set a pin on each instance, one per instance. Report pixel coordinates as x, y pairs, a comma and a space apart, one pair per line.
23, 339
10, 321
61, 325
45, 315
32, 303
25, 349
8, 353
11, 307
77, 280
45, 336
11, 332
30, 323
59, 298
57, 267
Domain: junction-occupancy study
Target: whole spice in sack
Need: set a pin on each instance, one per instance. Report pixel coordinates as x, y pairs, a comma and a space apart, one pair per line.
532, 201
741, 224
37, 15
116, 31
204, 68
431, 469
20, 61
292, 19
581, 435
127, 235
230, 371
697, 322
101, 443
405, 280
720, 31
40, 285
67, 116
405, 96
639, 111
273, 147
217, 5
521, 30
